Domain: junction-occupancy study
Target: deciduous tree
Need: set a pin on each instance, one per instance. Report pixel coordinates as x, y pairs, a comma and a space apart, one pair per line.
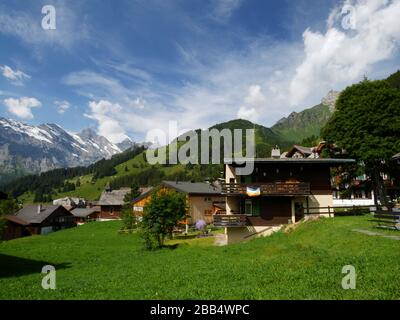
161, 214
366, 124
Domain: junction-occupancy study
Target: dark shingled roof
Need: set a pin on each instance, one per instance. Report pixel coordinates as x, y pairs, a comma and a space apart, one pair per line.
330, 161
83, 212
16, 220
193, 187
30, 213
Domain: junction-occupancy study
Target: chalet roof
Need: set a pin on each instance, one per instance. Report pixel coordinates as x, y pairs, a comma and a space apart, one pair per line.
113, 197
30, 214
193, 187
144, 193
16, 220
330, 161
396, 156
306, 151
83, 212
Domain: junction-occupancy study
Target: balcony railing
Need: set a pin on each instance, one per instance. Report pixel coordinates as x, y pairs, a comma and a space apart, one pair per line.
232, 220
272, 188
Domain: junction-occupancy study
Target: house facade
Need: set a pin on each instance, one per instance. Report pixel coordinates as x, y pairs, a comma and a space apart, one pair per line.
279, 191
37, 219
111, 202
203, 199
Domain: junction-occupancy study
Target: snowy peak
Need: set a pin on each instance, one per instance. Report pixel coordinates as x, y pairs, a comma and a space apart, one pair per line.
34, 149
92, 140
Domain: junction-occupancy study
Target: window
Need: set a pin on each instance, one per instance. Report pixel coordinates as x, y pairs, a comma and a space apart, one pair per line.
248, 207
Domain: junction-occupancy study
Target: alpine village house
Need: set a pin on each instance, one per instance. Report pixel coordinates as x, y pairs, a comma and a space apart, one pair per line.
282, 189
37, 219
111, 202
203, 199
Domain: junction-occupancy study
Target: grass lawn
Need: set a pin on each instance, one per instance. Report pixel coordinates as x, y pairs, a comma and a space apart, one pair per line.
94, 261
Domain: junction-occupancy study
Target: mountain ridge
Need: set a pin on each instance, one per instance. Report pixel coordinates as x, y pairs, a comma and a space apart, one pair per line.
26, 149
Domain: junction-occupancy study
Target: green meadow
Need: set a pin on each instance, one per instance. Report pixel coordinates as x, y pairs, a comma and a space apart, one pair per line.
95, 262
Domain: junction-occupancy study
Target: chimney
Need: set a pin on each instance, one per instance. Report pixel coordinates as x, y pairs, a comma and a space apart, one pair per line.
276, 152
108, 188
39, 209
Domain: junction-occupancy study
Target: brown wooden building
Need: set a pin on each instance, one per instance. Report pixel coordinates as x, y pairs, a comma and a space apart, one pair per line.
278, 191
111, 202
202, 198
83, 215
37, 219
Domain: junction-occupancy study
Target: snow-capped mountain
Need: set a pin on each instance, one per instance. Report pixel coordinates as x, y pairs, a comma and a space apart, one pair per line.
33, 149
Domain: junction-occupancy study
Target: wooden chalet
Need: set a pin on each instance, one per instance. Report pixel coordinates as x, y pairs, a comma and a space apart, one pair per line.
203, 199
83, 215
279, 191
111, 202
37, 219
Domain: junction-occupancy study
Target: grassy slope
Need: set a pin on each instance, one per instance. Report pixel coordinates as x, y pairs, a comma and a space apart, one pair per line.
303, 124
92, 191
93, 261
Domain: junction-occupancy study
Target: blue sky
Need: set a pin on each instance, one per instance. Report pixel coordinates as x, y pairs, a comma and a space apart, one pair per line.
126, 67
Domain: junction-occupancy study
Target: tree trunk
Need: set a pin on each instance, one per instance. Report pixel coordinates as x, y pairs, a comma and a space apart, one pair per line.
379, 188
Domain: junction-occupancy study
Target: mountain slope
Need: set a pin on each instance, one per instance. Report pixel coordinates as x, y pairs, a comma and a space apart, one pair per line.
33, 149
307, 123
265, 138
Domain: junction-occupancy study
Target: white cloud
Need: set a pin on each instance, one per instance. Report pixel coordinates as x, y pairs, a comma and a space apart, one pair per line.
263, 82
22, 107
105, 113
255, 101
341, 56
62, 106
247, 113
15, 76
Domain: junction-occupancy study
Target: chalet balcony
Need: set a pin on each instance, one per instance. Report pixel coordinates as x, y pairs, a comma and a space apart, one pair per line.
232, 220
266, 189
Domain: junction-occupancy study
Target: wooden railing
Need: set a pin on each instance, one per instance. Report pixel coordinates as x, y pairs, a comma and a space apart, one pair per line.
230, 220
339, 210
272, 188
387, 219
